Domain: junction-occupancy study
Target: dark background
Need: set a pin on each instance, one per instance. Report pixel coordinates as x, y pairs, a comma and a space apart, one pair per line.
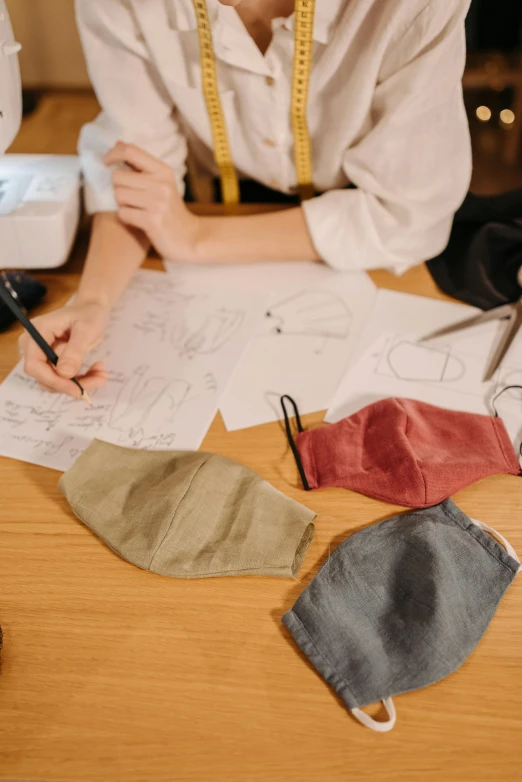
492, 87
495, 24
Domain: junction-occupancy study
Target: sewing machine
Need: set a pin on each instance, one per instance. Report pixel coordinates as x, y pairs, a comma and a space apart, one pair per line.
39, 194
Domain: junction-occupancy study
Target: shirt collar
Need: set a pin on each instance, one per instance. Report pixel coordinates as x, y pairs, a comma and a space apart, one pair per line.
326, 12
233, 44
231, 41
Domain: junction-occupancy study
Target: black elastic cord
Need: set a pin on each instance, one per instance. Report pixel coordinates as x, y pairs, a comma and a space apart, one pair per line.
290, 437
497, 396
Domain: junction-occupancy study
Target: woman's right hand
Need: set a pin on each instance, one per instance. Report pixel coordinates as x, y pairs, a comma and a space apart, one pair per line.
72, 332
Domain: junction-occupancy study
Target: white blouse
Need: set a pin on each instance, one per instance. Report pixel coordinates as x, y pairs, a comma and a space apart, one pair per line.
386, 113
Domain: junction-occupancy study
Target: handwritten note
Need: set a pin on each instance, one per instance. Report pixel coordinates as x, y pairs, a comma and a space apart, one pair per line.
170, 350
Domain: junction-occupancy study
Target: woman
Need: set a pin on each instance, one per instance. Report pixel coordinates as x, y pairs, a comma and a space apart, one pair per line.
390, 143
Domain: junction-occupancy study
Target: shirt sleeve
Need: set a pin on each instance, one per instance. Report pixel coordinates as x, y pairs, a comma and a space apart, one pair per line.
413, 166
136, 107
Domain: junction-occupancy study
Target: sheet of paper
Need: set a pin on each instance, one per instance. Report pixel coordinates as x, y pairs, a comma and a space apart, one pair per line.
170, 350
304, 343
448, 371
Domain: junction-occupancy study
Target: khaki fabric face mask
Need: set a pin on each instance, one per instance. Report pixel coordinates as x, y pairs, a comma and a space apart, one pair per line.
187, 514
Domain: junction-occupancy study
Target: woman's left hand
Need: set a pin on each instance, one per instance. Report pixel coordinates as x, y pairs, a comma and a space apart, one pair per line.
148, 199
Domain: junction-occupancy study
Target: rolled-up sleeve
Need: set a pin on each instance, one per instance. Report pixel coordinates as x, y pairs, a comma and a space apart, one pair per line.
412, 168
135, 105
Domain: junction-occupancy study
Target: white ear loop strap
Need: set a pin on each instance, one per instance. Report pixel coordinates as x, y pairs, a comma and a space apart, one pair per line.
507, 545
379, 727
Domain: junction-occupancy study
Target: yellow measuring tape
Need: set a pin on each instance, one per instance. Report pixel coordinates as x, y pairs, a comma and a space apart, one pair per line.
304, 25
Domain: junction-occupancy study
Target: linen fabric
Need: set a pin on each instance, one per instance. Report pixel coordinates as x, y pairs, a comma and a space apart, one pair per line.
186, 514
404, 452
401, 604
385, 113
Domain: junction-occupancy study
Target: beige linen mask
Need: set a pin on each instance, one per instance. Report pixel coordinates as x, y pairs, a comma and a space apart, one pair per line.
187, 514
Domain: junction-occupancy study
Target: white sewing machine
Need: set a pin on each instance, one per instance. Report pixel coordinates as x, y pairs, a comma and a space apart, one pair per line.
39, 194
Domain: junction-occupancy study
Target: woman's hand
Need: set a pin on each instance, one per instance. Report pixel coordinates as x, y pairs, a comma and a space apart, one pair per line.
148, 199
72, 332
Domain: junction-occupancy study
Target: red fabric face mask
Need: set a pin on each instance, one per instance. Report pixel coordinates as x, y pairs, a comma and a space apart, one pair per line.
402, 451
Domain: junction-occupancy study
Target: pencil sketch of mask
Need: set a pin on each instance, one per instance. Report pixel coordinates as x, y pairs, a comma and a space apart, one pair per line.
408, 360
209, 336
143, 398
317, 314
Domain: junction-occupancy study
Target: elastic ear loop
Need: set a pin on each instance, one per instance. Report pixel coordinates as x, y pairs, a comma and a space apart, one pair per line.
495, 534
497, 396
378, 727
290, 437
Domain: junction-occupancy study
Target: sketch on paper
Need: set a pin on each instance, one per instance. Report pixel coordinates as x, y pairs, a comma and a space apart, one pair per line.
170, 352
146, 407
305, 340
408, 362
302, 348
140, 396
449, 371
213, 333
398, 365
320, 314
189, 329
415, 361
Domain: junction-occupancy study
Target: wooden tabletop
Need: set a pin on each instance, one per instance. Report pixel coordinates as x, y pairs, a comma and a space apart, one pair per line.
113, 674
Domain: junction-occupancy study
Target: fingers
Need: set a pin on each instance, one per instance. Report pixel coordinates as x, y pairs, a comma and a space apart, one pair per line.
137, 218
48, 389
71, 340
139, 199
35, 361
134, 179
81, 341
156, 197
46, 376
94, 378
133, 156
59, 347
51, 327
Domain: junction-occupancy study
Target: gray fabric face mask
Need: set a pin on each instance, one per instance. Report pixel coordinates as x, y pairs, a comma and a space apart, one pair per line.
401, 604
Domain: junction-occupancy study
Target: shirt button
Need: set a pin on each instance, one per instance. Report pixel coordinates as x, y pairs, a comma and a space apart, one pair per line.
269, 81
269, 142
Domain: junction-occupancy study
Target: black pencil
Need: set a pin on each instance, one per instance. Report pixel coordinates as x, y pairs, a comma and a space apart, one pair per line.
20, 315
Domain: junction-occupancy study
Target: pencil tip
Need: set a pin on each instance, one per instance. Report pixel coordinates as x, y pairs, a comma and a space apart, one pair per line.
86, 398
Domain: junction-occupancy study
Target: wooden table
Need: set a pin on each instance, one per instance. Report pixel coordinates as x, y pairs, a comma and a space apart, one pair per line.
112, 674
